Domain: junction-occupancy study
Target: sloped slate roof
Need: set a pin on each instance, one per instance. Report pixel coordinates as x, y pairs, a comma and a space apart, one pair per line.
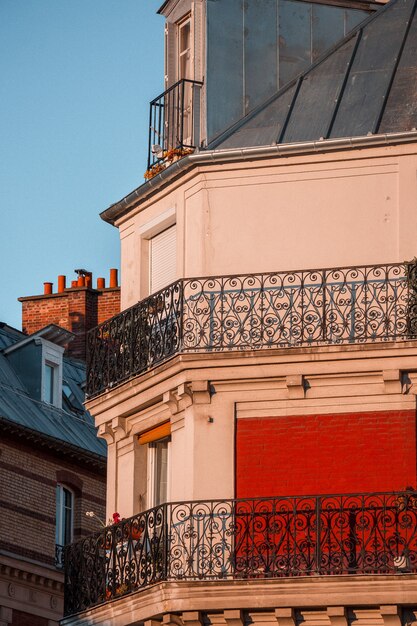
365, 84
17, 406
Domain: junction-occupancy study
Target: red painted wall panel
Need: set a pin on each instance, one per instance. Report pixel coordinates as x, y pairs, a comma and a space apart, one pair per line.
318, 454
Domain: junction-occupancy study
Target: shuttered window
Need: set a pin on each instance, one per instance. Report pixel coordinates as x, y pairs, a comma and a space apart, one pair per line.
163, 259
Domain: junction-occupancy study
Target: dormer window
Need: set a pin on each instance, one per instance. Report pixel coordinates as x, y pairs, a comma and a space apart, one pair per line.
52, 373
39, 359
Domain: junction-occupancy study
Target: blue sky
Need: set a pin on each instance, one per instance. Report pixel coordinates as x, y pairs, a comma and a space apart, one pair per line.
76, 78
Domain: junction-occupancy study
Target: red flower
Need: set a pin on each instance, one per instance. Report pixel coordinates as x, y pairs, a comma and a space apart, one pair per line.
116, 518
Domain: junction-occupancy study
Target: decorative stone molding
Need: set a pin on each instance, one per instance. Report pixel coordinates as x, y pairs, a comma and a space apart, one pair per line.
337, 615
285, 617
115, 430
201, 391
392, 381
169, 619
120, 427
192, 618
391, 615
186, 394
295, 386
105, 431
234, 617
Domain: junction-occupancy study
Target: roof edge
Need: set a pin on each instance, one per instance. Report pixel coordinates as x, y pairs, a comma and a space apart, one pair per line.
211, 157
57, 445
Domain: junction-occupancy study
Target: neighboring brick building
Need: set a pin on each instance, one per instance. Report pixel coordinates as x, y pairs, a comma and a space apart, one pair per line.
77, 308
52, 466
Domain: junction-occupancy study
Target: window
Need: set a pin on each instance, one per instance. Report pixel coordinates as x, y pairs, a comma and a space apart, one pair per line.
163, 259
49, 376
158, 471
70, 401
64, 521
158, 441
184, 49
51, 383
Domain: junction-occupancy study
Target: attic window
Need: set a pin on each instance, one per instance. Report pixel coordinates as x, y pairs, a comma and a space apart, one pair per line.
51, 382
184, 48
71, 402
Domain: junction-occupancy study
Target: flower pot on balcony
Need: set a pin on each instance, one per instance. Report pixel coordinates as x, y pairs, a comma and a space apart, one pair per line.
136, 534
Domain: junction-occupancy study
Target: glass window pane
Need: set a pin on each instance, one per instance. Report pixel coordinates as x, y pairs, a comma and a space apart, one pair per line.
49, 383
161, 473
64, 515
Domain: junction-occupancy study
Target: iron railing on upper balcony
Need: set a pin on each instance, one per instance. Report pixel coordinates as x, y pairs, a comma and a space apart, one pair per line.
257, 311
174, 121
244, 539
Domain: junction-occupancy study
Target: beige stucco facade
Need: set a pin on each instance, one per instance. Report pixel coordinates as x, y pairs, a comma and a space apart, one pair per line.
203, 396
330, 208
302, 210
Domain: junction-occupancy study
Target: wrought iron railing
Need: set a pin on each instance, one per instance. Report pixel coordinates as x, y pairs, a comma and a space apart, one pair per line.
174, 121
59, 556
257, 311
243, 539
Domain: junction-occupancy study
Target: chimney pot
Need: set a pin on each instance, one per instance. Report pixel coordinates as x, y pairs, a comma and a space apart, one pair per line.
101, 283
113, 277
61, 283
47, 288
74, 284
89, 280
81, 281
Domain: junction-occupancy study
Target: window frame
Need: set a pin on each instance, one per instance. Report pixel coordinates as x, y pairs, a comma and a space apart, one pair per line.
152, 474
185, 21
52, 357
61, 536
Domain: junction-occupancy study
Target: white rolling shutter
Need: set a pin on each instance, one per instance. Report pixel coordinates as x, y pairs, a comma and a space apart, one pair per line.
163, 259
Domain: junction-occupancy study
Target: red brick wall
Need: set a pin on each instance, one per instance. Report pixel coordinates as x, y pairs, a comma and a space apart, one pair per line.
28, 479
78, 310
318, 454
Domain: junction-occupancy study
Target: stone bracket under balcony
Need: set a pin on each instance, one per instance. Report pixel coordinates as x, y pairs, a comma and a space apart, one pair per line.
344, 601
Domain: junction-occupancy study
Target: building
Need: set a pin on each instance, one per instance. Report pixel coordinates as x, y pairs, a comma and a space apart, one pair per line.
260, 415
53, 467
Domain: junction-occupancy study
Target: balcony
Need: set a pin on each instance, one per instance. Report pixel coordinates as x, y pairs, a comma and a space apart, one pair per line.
231, 540
258, 311
174, 125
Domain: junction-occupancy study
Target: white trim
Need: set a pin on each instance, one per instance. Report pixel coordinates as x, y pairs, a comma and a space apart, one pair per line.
152, 473
158, 224
59, 522
52, 356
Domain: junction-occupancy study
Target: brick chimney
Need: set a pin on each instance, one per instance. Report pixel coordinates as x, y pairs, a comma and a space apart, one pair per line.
77, 308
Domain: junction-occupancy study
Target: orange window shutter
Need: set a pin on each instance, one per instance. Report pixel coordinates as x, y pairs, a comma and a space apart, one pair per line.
159, 432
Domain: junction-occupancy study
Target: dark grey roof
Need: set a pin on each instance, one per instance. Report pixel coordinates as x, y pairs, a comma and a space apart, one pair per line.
365, 84
75, 428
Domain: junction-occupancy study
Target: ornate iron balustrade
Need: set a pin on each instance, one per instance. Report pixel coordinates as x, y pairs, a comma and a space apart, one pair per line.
243, 539
258, 311
174, 121
59, 556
